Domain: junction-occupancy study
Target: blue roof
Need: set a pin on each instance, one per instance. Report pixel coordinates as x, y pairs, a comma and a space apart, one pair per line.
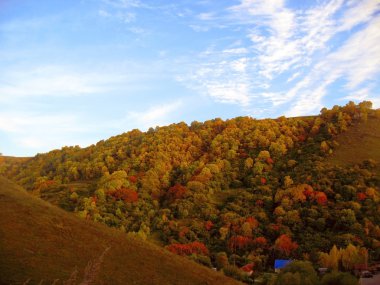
281, 263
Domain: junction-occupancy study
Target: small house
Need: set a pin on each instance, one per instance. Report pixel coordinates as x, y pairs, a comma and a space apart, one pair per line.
280, 264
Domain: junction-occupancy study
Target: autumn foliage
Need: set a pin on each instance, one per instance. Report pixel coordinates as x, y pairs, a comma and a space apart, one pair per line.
125, 194
361, 196
244, 189
285, 245
252, 222
176, 192
321, 198
209, 225
260, 241
195, 247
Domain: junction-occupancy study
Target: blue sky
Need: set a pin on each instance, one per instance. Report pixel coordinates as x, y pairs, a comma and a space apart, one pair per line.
73, 72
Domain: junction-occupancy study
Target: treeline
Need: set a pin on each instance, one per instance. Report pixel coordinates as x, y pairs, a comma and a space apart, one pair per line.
237, 193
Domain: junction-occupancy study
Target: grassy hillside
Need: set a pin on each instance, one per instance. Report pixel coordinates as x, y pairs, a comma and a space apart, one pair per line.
41, 242
358, 144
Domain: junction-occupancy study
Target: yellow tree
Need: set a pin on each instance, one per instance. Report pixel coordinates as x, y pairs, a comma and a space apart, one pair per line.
334, 257
350, 257
331, 259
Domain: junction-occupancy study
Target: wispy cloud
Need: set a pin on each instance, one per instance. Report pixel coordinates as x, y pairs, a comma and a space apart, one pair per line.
154, 116
17, 122
125, 17
240, 50
206, 16
358, 12
36, 132
357, 62
199, 28
124, 3
123, 11
358, 95
299, 51
230, 92
54, 81
21, 25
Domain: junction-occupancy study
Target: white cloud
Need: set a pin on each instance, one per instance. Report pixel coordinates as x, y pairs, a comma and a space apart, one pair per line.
318, 25
239, 65
199, 28
229, 92
22, 25
360, 56
104, 13
154, 116
124, 3
300, 52
294, 76
121, 16
285, 38
357, 61
36, 132
240, 50
206, 16
17, 122
358, 95
138, 31
53, 81
276, 49
259, 7
225, 81
357, 13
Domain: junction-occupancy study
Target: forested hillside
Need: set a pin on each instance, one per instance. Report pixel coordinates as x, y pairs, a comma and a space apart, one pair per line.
229, 194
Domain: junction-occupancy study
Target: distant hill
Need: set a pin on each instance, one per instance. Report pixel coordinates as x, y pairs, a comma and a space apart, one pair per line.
41, 242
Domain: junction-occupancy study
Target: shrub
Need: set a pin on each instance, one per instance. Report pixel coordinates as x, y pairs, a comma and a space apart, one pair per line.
298, 272
201, 259
236, 273
339, 278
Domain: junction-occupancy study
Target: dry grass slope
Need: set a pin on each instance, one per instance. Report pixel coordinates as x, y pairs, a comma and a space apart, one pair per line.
39, 241
359, 143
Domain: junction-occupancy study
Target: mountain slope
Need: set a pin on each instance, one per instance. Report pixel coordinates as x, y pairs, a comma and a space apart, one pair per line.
41, 242
234, 194
358, 144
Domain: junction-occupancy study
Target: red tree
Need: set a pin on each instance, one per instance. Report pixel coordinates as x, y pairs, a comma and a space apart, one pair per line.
239, 242
253, 222
285, 244
260, 241
133, 179
209, 225
308, 191
176, 192
183, 232
361, 196
195, 247
321, 198
128, 195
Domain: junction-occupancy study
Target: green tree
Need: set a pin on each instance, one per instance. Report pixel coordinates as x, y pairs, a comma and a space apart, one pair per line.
339, 278
298, 272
